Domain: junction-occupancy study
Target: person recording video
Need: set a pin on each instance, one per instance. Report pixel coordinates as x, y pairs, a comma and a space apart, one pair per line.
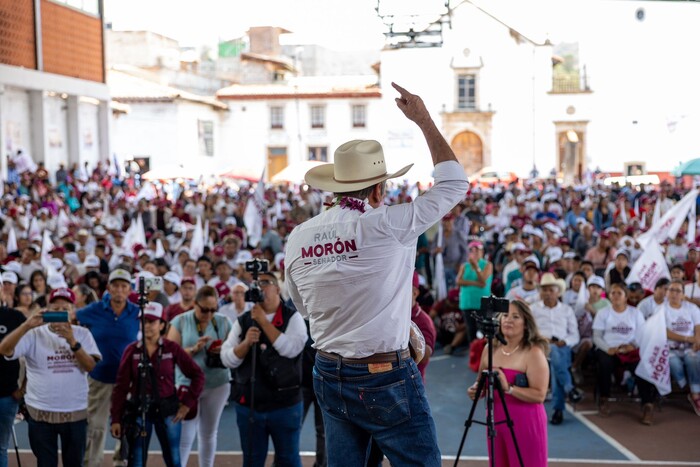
168, 406
523, 373
59, 356
266, 344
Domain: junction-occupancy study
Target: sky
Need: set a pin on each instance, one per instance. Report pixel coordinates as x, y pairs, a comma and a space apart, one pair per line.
335, 24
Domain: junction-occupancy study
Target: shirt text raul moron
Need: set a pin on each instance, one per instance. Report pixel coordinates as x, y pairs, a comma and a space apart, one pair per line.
328, 252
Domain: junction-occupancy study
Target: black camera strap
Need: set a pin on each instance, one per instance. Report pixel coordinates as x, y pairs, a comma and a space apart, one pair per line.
200, 330
152, 373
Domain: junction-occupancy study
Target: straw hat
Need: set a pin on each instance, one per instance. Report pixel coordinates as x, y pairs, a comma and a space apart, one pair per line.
358, 164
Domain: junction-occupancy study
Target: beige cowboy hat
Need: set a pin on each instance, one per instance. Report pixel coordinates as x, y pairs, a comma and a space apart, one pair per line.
358, 164
550, 279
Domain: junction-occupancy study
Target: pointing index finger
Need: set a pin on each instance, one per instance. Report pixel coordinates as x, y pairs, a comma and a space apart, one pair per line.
401, 90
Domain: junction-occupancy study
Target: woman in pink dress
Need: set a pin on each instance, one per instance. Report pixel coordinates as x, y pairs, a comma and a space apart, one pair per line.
524, 354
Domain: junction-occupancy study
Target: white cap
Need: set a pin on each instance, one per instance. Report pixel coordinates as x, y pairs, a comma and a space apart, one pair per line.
532, 259
244, 256
172, 276
99, 231
555, 254
230, 221
91, 261
9, 276
569, 255
596, 280
153, 310
56, 281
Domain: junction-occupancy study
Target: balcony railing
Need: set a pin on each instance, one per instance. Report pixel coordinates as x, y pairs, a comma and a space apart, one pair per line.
570, 83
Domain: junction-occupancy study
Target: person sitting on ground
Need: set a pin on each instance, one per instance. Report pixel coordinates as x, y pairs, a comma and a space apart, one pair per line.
449, 322
683, 334
616, 331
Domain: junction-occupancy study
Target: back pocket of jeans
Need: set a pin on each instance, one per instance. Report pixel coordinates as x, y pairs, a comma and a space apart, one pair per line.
386, 405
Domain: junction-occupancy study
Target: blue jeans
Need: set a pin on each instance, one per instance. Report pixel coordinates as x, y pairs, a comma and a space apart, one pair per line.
8, 410
560, 361
43, 439
282, 425
686, 362
168, 434
389, 407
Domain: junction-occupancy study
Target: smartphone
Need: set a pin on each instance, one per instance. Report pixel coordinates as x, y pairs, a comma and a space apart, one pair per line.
215, 344
521, 380
55, 316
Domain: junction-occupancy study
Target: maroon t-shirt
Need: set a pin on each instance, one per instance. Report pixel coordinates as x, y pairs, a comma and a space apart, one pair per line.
425, 324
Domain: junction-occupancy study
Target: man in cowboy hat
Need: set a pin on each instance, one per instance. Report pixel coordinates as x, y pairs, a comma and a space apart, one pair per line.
349, 270
557, 322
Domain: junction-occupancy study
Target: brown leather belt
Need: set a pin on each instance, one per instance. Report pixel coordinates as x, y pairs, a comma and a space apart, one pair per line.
386, 357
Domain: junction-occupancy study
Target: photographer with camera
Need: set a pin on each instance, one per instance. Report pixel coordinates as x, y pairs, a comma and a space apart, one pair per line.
201, 332
349, 270
168, 406
523, 374
114, 323
265, 348
58, 356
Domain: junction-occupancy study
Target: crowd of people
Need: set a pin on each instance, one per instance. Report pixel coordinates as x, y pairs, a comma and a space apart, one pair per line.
561, 255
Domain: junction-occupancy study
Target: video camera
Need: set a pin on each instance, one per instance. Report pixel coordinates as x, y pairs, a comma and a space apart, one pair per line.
486, 316
255, 267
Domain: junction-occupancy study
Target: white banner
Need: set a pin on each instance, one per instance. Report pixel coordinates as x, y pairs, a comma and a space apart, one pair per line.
650, 267
197, 242
670, 223
653, 353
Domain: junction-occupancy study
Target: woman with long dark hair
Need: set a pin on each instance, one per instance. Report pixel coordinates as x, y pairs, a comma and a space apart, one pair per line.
523, 373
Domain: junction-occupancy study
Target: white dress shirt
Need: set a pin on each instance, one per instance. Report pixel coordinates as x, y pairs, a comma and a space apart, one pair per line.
350, 272
289, 344
559, 321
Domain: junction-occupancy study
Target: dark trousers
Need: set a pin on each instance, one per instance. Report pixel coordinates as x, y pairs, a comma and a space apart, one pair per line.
43, 439
310, 398
607, 364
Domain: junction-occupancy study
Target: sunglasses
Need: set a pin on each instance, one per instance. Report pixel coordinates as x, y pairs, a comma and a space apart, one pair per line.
265, 283
207, 310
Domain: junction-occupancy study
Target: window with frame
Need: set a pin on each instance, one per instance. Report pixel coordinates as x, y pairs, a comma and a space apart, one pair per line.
205, 129
359, 116
466, 92
276, 117
318, 116
318, 153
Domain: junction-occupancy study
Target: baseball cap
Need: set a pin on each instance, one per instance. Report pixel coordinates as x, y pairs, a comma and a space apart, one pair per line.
83, 233
596, 280
520, 247
475, 244
222, 289
189, 279
153, 311
570, 255
555, 254
453, 295
100, 231
622, 252
173, 277
9, 276
119, 275
13, 266
532, 260
508, 231
92, 261
62, 292
56, 281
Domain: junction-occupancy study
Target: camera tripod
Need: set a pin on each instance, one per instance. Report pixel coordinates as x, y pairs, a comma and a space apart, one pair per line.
488, 384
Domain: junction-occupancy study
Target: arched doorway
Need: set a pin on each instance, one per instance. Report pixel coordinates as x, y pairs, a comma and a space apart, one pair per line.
570, 158
469, 151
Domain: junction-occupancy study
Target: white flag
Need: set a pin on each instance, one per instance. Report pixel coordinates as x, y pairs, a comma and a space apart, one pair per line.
253, 215
636, 208
11, 241
650, 267
140, 233
46, 247
670, 223
653, 353
692, 224
581, 298
623, 211
160, 251
657, 213
62, 222
33, 232
197, 243
439, 276
205, 235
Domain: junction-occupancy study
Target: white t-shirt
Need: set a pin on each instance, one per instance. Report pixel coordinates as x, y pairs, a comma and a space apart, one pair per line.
527, 296
55, 382
692, 290
648, 306
619, 328
682, 321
